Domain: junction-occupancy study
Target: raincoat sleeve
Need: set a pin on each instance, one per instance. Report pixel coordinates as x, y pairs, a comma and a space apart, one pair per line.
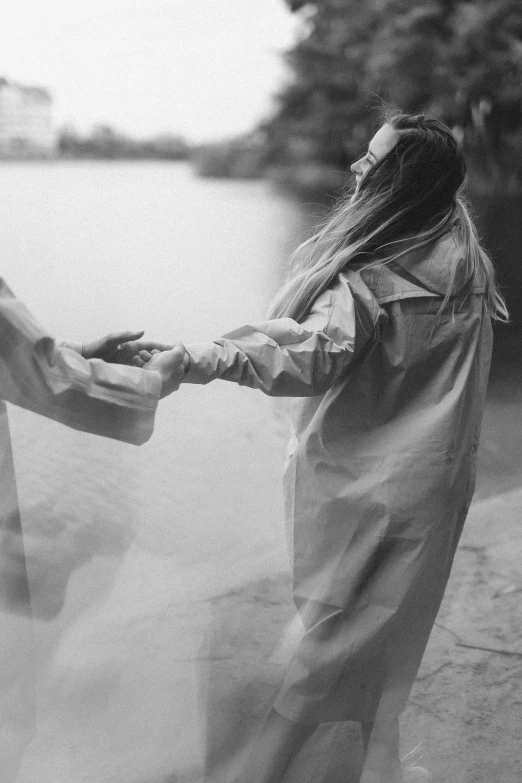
283, 357
57, 382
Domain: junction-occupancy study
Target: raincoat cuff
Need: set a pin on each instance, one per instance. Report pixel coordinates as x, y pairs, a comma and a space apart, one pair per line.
119, 384
203, 362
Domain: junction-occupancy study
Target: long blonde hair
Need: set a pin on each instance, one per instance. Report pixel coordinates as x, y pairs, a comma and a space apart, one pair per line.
413, 191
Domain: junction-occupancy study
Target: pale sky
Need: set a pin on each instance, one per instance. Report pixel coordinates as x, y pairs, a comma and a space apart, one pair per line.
204, 68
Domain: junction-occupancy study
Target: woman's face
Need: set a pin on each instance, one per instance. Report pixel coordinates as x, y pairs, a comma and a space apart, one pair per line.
384, 140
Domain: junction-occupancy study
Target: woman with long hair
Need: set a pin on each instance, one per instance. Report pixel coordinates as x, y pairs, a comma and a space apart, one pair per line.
383, 333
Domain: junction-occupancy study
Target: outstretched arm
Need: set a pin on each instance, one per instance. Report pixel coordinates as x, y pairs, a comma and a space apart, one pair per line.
57, 382
282, 357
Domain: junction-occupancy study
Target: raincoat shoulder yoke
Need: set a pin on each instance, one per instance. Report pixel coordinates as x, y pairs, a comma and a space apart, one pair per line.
426, 271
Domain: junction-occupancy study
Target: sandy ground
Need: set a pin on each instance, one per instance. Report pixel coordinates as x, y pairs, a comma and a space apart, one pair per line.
466, 705
467, 701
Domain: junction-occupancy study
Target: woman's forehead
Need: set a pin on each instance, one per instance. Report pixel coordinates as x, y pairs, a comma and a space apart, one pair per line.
384, 140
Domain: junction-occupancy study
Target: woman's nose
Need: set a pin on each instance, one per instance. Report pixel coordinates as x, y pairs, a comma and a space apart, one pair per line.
355, 168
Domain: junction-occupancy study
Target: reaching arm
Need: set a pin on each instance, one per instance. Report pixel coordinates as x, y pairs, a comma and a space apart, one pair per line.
57, 382
282, 357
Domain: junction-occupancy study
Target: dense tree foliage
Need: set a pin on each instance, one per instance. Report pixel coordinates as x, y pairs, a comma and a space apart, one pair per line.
460, 61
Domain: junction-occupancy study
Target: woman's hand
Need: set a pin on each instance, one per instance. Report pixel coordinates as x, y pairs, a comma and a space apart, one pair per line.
121, 347
171, 365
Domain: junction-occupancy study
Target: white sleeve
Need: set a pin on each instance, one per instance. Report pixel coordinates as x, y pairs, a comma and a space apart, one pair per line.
57, 382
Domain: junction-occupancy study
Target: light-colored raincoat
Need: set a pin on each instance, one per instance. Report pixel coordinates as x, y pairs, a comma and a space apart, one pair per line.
380, 470
55, 381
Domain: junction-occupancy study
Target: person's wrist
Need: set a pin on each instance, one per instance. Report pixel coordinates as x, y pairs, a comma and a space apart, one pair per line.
186, 362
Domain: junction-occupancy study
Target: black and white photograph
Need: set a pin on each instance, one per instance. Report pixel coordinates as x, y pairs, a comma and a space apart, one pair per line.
261, 391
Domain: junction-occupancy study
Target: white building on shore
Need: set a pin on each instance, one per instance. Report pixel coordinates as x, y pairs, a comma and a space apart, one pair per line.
25, 121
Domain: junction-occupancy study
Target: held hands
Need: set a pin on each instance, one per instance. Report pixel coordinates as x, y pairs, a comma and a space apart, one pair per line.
121, 347
170, 364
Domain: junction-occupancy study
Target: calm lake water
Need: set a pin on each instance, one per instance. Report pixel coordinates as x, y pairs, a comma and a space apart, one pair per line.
125, 545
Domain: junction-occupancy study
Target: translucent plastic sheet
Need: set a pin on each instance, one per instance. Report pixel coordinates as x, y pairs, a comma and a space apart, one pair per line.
151, 571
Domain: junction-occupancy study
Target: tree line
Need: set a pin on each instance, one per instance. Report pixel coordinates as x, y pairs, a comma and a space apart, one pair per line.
460, 61
104, 142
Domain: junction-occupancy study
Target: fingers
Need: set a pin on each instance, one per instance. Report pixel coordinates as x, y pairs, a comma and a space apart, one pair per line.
126, 352
169, 364
143, 357
123, 347
116, 338
150, 345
